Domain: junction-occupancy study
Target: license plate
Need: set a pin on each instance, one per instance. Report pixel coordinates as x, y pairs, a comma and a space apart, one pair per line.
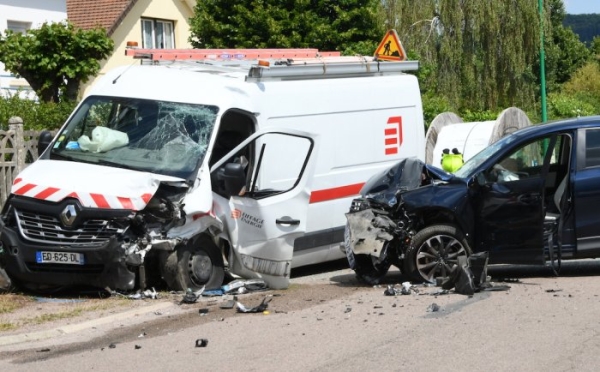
60, 257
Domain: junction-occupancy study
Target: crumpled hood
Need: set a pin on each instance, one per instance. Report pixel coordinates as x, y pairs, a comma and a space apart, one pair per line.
94, 186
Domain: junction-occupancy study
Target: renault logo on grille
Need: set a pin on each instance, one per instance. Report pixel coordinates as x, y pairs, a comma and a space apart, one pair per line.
68, 215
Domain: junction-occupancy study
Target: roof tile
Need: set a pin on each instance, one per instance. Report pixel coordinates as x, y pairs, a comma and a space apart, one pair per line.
107, 14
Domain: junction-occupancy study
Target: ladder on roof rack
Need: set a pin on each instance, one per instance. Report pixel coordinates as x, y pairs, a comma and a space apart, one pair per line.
280, 63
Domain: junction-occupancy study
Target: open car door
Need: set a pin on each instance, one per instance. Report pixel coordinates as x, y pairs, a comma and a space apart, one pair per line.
511, 206
262, 198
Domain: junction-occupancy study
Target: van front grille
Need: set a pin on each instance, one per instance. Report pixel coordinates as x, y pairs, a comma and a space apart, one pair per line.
46, 229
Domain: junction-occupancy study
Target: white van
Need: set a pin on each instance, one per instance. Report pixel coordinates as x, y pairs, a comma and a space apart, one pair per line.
183, 170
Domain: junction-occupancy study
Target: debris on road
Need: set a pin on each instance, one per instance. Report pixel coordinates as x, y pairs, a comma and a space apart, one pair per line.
203, 311
257, 309
191, 297
137, 347
201, 342
433, 308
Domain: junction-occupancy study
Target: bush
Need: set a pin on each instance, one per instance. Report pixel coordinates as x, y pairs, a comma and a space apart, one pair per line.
35, 115
561, 106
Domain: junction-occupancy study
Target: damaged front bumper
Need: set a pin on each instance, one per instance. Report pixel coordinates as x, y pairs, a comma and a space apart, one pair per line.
367, 232
104, 265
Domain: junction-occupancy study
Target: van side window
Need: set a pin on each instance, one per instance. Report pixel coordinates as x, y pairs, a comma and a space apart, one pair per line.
592, 148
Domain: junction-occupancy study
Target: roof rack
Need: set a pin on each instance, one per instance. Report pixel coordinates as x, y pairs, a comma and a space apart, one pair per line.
279, 63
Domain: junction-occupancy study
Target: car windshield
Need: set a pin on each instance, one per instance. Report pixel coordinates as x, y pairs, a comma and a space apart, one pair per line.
155, 136
471, 165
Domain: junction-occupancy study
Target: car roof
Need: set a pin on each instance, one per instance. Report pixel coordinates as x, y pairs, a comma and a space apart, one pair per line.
559, 125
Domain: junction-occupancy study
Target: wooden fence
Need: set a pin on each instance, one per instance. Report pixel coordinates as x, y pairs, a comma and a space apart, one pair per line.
18, 148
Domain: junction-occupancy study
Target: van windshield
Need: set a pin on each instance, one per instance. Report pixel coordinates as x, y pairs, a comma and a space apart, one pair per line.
154, 136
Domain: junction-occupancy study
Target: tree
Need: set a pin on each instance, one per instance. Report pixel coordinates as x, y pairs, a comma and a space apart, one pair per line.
56, 58
323, 24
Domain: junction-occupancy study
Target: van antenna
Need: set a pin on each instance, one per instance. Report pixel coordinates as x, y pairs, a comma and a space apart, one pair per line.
124, 71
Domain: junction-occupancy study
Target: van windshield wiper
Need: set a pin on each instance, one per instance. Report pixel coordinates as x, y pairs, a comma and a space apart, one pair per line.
115, 164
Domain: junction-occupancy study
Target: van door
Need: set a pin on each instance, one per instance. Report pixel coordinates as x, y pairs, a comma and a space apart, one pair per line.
511, 206
262, 197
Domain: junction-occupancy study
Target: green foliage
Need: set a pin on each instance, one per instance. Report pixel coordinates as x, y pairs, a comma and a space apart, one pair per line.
561, 106
584, 89
56, 58
328, 25
472, 116
434, 105
35, 115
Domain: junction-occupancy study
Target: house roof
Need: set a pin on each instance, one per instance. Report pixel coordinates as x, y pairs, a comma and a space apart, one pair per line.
107, 14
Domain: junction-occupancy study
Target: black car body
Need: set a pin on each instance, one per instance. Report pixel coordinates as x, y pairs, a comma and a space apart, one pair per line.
528, 198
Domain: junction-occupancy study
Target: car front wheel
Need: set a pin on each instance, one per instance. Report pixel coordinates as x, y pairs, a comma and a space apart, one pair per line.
434, 251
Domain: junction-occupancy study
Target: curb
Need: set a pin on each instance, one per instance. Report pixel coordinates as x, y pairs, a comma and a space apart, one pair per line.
73, 328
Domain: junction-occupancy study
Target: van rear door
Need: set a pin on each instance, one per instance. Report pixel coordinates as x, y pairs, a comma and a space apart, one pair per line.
266, 215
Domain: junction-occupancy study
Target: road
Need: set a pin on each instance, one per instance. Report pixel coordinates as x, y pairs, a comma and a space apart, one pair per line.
329, 322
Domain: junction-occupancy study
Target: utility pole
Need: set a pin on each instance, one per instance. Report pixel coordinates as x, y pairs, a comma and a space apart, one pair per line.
542, 62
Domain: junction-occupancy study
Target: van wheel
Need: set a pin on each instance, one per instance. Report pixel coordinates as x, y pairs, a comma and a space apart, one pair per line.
195, 265
365, 266
434, 251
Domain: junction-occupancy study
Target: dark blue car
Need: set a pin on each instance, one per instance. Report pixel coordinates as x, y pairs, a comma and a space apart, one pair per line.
531, 197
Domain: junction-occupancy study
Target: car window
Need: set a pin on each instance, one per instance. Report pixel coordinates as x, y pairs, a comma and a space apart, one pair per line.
592, 148
524, 162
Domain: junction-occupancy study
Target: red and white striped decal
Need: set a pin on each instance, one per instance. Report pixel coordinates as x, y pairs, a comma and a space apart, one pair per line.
393, 135
90, 200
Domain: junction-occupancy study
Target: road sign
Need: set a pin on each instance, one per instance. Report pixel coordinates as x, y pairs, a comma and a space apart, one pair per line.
390, 48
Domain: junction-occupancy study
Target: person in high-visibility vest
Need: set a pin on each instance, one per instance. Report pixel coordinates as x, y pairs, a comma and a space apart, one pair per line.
451, 162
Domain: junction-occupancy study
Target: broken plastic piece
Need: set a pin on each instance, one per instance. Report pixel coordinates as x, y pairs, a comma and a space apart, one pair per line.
191, 297
433, 308
227, 304
201, 342
257, 309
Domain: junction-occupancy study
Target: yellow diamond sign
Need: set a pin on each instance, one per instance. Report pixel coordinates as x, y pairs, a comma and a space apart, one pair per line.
390, 48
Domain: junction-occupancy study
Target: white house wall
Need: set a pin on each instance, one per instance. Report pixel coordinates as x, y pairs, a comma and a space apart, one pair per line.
35, 13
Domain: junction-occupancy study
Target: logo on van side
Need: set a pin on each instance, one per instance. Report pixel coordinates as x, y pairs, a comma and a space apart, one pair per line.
393, 135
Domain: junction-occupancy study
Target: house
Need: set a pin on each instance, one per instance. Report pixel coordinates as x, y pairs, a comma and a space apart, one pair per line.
20, 16
160, 24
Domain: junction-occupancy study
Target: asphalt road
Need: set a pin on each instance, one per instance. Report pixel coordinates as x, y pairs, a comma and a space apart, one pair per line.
329, 322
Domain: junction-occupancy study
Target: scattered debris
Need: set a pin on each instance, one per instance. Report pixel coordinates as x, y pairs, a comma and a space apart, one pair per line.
43, 350
257, 309
553, 290
191, 297
201, 342
203, 311
143, 334
433, 308
137, 347
229, 304
348, 309
112, 346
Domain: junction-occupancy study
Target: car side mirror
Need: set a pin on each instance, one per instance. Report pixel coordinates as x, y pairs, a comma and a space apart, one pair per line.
233, 178
44, 141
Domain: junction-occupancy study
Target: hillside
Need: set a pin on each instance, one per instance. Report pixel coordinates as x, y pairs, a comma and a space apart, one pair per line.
587, 26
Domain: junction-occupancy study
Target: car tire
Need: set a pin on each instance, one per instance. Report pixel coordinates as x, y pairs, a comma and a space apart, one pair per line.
196, 265
367, 269
434, 251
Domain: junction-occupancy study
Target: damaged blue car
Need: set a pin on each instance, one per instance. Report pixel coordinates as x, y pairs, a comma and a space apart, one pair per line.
529, 198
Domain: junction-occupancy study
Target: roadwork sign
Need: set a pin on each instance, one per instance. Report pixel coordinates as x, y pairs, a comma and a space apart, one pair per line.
390, 48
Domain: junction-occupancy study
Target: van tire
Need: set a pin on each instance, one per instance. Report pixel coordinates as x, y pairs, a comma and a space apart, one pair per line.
434, 251
195, 265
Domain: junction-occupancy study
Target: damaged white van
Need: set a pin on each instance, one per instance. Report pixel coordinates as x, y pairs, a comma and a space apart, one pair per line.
182, 171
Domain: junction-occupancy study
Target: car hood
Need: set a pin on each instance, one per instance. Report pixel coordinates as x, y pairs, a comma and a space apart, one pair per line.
408, 174
95, 186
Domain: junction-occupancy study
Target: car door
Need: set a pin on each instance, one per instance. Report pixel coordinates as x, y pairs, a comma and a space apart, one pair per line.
270, 211
510, 205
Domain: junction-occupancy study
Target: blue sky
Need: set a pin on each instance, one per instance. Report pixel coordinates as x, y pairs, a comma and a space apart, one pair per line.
582, 6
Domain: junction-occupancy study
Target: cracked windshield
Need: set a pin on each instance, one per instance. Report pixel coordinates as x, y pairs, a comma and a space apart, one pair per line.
160, 137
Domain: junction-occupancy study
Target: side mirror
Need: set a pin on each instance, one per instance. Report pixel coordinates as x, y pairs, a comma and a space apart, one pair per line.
44, 141
233, 178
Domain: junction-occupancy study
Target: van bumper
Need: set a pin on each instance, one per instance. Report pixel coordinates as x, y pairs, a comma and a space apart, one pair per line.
104, 265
